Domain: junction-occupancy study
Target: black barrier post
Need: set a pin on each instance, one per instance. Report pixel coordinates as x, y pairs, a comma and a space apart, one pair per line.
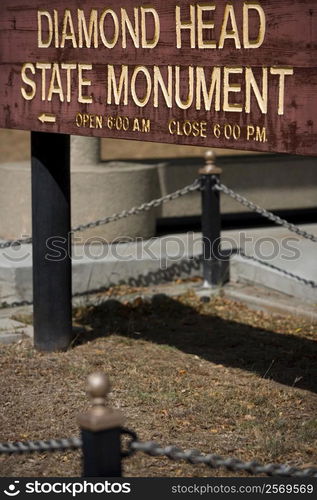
52, 291
213, 266
101, 429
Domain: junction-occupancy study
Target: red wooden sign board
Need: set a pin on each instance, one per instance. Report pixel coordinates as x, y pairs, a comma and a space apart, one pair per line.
240, 75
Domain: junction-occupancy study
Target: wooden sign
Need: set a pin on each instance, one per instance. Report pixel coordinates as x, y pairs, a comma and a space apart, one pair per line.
239, 75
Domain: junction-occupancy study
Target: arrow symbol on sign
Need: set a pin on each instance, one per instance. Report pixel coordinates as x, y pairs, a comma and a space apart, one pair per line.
46, 118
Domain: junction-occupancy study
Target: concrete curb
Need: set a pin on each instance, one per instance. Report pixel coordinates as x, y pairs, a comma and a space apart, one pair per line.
263, 299
12, 331
164, 259
154, 264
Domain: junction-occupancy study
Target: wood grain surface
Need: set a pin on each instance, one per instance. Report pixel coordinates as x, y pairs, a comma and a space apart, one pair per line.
289, 123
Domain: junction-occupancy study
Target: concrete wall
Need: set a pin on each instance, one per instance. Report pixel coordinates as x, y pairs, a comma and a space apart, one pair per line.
98, 190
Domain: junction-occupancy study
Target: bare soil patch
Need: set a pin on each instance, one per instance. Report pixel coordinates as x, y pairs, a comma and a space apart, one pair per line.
214, 376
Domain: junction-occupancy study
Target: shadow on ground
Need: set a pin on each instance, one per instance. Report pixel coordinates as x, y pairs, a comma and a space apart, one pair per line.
287, 359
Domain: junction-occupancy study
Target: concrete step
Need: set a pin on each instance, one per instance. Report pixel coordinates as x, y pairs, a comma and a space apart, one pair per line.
164, 259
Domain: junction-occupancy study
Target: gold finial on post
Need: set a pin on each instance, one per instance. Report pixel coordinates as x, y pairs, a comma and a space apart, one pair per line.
210, 168
100, 417
98, 388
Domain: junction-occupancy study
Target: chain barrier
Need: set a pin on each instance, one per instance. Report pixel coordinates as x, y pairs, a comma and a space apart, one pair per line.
263, 212
22, 303
15, 243
41, 446
145, 207
195, 186
193, 457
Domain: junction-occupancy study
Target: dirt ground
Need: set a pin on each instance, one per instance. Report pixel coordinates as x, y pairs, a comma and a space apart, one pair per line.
213, 376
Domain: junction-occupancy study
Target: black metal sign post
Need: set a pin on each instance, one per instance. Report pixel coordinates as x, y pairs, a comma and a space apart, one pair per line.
51, 223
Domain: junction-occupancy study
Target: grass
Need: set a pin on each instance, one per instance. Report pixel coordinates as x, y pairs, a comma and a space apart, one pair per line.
214, 376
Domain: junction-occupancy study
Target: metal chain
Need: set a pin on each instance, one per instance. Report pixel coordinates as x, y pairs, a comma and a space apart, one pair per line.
264, 213
195, 457
307, 282
15, 243
40, 446
23, 303
195, 186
